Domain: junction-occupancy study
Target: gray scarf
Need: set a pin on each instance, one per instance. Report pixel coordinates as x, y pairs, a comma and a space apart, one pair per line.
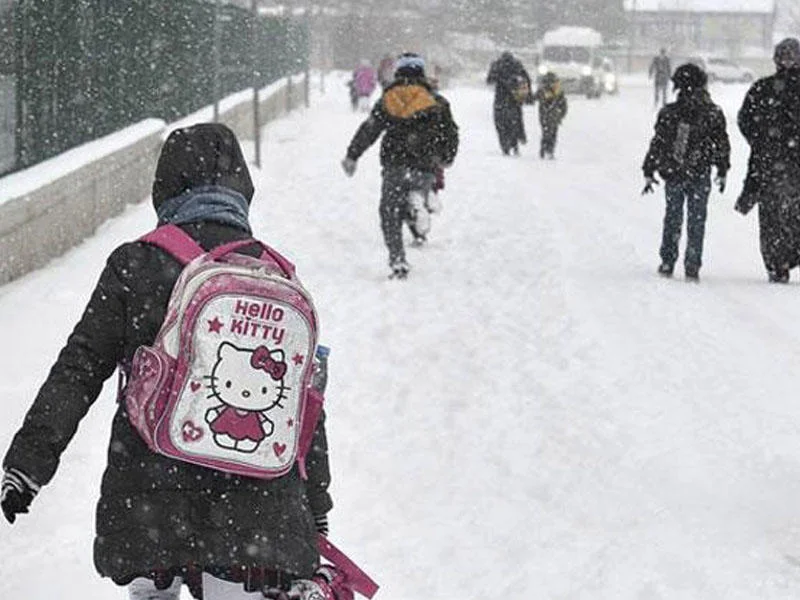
206, 203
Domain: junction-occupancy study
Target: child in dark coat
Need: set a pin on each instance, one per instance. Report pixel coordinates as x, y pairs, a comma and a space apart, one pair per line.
552, 110
690, 137
420, 138
161, 522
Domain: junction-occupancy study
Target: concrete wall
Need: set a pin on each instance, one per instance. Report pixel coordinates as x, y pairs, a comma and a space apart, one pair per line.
43, 220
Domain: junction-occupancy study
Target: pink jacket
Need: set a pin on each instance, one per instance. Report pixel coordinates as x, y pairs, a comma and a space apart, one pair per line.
365, 80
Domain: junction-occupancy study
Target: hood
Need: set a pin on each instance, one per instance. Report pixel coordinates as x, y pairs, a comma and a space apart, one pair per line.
206, 154
693, 99
405, 101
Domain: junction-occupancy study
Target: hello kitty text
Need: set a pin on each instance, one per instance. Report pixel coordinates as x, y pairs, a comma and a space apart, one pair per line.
252, 324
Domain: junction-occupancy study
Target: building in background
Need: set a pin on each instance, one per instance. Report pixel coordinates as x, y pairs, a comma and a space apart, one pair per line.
736, 29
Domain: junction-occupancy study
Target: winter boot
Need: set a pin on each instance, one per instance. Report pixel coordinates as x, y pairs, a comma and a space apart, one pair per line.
665, 269
400, 269
692, 274
778, 276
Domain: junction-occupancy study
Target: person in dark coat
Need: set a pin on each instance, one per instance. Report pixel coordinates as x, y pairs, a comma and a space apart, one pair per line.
512, 88
660, 72
420, 138
161, 522
690, 137
552, 110
769, 119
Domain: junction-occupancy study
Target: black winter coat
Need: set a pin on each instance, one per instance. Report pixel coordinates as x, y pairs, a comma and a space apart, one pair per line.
157, 516
690, 137
770, 121
552, 105
420, 130
506, 73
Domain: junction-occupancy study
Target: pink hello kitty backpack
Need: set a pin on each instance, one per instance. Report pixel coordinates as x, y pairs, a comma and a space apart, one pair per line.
227, 382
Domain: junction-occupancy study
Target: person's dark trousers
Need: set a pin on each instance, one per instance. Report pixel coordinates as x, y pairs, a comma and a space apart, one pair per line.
394, 207
694, 194
779, 232
549, 138
660, 93
510, 126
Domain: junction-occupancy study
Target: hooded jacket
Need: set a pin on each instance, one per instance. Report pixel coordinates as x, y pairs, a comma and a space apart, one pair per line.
420, 131
690, 137
157, 517
506, 73
769, 119
552, 103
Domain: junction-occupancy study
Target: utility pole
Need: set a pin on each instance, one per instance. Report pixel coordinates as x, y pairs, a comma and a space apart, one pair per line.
216, 59
631, 35
256, 83
308, 50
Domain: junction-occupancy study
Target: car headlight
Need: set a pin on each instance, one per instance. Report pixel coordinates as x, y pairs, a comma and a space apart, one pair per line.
542, 69
586, 71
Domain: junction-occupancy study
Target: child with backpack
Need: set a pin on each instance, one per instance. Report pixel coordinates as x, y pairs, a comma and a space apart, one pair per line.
420, 138
217, 473
690, 137
552, 110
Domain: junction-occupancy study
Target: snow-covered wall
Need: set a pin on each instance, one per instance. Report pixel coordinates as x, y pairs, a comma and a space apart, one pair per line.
54, 205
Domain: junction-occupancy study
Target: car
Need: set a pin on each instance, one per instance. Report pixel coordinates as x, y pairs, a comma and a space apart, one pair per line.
573, 54
723, 69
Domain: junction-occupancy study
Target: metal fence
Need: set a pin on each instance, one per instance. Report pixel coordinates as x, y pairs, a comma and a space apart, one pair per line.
76, 70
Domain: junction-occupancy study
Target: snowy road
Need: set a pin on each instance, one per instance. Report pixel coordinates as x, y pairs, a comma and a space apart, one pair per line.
533, 414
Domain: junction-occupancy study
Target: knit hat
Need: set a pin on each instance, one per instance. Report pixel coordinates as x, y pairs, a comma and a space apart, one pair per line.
409, 64
689, 77
787, 54
201, 155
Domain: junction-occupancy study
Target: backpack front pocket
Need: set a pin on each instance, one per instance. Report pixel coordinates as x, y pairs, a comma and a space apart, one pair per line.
148, 389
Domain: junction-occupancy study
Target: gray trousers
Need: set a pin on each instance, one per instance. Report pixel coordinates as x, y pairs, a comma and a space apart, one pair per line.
398, 182
213, 589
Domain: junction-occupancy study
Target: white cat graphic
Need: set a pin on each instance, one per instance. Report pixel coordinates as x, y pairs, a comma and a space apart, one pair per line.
248, 383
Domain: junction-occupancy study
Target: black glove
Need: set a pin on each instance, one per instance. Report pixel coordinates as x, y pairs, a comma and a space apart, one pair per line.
649, 182
719, 180
16, 493
321, 523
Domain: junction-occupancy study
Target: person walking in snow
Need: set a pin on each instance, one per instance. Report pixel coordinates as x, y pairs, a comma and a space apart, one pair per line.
363, 82
690, 137
512, 89
660, 71
420, 136
552, 110
162, 522
769, 119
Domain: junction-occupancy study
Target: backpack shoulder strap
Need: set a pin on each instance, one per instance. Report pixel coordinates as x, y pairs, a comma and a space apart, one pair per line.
358, 579
266, 253
175, 241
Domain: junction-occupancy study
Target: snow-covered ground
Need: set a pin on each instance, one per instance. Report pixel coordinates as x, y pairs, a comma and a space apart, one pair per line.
533, 414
